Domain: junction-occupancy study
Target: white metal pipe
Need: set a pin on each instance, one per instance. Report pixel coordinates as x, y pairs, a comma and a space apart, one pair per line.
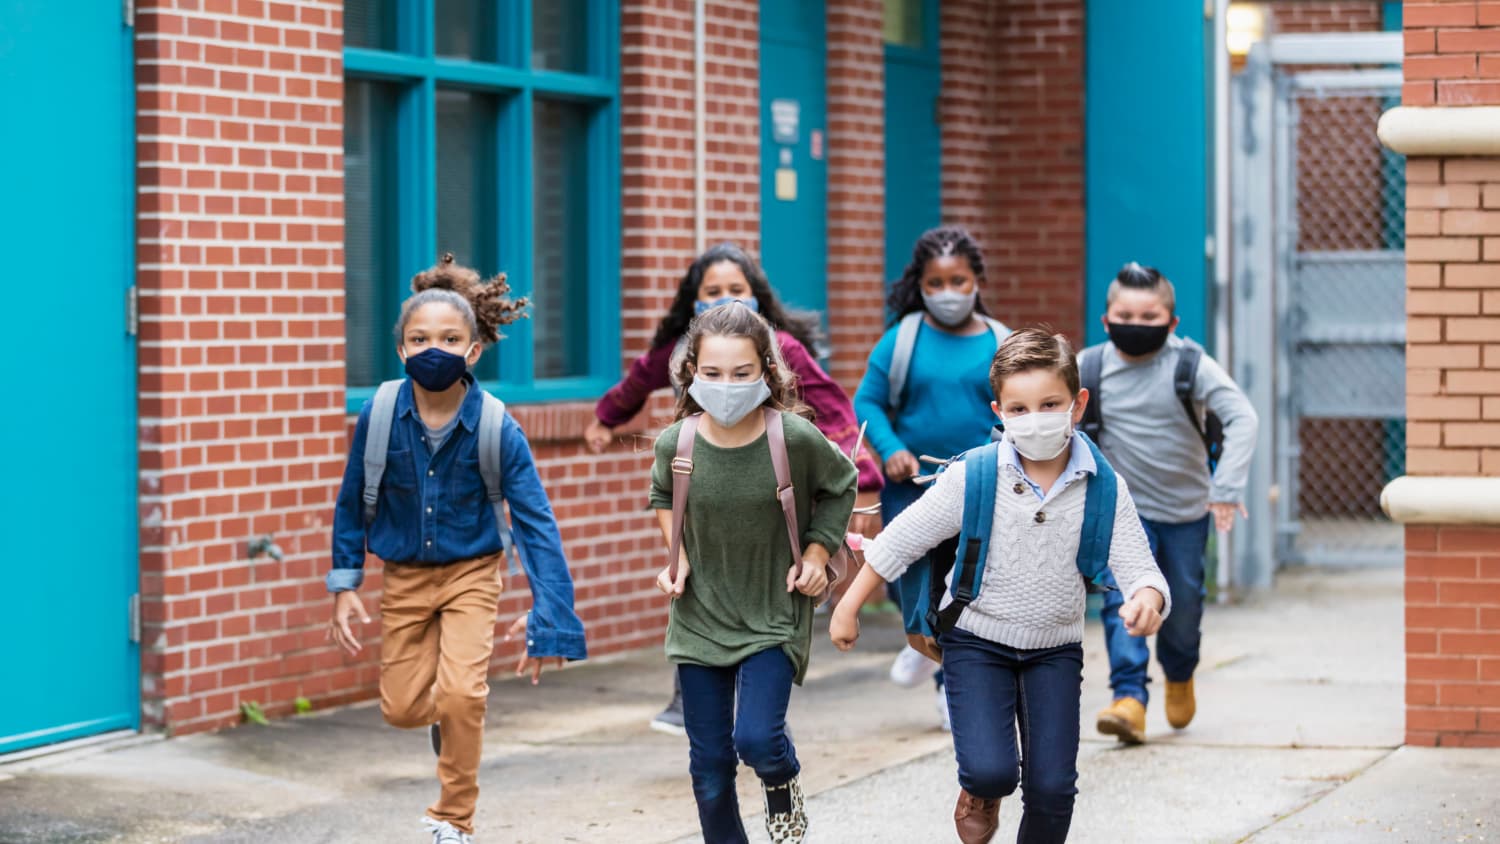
1223, 342
700, 139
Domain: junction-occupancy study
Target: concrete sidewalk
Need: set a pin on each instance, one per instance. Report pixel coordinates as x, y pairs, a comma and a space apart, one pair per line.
1300, 716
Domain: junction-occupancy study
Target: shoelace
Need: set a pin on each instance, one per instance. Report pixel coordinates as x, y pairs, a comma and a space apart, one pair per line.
445, 833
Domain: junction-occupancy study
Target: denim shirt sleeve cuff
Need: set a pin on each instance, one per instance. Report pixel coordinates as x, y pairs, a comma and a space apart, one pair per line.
344, 580
541, 643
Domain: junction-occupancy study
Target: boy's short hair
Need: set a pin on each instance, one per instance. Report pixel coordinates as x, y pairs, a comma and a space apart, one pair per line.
1033, 348
1136, 277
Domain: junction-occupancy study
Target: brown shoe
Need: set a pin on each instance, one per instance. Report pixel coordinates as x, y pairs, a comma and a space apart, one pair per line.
975, 818
1181, 704
1125, 719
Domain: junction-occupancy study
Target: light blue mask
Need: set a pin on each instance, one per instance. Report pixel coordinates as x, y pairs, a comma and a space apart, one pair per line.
728, 402
750, 303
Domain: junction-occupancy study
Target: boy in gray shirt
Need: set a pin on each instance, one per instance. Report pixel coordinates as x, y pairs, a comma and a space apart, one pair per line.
1148, 435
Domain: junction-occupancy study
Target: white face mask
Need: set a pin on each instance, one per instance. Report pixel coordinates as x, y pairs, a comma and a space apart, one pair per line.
728, 402
1040, 436
949, 307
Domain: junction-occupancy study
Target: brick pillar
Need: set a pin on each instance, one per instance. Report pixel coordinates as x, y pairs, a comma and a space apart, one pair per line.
1012, 115
1453, 370
856, 184
240, 251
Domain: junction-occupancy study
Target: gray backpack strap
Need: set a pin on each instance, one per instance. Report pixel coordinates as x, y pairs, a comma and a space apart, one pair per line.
998, 328
377, 443
906, 342
491, 423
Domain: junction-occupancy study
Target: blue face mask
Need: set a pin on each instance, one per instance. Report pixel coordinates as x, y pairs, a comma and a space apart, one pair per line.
435, 370
750, 303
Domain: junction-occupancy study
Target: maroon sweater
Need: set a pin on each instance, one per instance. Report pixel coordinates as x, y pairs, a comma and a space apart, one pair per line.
832, 412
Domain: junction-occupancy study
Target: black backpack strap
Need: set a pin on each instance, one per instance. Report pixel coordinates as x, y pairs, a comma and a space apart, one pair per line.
1183, 378
1090, 368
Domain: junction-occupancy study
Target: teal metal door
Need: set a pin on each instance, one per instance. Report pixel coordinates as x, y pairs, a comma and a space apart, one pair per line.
794, 170
913, 137
71, 668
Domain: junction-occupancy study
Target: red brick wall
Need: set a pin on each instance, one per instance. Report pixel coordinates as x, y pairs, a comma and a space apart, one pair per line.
856, 184
240, 228
1012, 114
1452, 53
1306, 16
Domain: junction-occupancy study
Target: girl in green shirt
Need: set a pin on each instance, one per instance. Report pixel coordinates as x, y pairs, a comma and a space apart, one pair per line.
740, 626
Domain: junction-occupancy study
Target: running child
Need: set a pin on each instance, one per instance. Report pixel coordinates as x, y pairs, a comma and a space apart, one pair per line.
1157, 435
744, 581
431, 521
1012, 656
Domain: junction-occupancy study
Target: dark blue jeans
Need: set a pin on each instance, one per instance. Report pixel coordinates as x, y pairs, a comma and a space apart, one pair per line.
1179, 553
992, 690
719, 737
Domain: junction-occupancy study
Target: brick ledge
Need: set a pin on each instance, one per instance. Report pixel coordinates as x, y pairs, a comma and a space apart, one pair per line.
1463, 130
1442, 500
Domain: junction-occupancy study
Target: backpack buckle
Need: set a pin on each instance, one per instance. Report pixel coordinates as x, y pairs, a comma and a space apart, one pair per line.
682, 466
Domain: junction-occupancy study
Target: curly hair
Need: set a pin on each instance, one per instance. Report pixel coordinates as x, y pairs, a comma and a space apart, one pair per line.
805, 327
485, 305
736, 320
941, 242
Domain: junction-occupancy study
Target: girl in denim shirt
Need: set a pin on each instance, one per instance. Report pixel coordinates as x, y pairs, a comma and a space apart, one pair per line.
435, 529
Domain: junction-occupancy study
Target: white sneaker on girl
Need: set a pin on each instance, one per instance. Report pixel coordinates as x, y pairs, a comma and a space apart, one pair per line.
911, 668
446, 833
942, 707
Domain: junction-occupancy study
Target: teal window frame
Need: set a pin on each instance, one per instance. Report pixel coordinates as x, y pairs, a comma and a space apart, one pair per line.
414, 66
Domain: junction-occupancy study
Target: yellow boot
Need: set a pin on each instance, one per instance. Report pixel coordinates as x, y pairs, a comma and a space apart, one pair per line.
1124, 719
1181, 704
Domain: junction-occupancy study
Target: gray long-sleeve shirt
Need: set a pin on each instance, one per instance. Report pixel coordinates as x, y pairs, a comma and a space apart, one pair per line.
1149, 439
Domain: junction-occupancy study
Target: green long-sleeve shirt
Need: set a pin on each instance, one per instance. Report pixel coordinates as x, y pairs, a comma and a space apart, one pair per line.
735, 603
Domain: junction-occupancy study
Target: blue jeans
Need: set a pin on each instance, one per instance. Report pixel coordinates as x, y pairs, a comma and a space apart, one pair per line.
993, 689
1179, 553
719, 737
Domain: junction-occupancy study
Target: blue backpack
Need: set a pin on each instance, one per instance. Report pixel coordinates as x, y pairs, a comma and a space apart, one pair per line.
968, 552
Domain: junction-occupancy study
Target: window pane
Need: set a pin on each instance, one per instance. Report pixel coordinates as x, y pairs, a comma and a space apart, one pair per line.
369, 229
466, 187
903, 23
465, 29
370, 23
560, 243
560, 35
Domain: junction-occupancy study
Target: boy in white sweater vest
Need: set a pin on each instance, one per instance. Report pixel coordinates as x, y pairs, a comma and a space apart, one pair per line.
1014, 657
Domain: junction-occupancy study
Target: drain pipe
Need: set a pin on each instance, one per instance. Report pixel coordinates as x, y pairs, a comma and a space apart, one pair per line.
700, 140
1223, 341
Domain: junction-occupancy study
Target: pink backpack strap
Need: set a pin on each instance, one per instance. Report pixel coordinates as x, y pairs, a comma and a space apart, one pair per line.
776, 437
682, 478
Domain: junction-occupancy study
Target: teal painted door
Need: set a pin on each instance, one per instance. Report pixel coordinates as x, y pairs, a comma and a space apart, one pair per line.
70, 668
794, 169
913, 136
1147, 133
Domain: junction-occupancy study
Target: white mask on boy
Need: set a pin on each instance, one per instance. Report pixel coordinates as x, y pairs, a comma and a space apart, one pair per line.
1040, 436
728, 402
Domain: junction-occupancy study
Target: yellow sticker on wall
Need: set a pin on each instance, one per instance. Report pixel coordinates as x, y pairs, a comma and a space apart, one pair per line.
786, 184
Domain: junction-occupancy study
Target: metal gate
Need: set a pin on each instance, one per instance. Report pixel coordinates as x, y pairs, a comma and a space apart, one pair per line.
1320, 296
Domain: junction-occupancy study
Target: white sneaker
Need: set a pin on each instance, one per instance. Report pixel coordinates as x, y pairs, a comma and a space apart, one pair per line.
446, 833
911, 668
942, 707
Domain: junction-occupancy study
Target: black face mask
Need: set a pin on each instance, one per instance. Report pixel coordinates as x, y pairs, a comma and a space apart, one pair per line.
1138, 340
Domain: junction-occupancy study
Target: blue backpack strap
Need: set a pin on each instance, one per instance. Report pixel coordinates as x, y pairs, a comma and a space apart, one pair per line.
1099, 504
906, 344
491, 424
981, 476
377, 443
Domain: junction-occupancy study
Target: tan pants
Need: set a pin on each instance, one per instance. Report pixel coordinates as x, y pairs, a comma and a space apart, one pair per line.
437, 635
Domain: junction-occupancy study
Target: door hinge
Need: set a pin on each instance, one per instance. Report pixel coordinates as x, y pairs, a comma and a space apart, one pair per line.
135, 617
132, 310
128, 8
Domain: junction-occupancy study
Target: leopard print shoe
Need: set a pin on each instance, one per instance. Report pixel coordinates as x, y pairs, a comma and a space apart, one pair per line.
786, 817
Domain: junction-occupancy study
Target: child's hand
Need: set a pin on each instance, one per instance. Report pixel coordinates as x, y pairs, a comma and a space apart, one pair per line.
814, 579
902, 466
843, 627
597, 437
345, 604
518, 628
865, 524
1224, 514
671, 587
1142, 613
